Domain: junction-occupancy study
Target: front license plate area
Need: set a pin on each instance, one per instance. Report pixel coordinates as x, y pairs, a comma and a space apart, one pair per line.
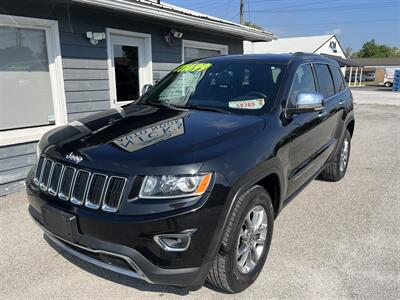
60, 223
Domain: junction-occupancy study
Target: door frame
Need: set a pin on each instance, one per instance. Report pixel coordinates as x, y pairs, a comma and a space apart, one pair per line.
145, 68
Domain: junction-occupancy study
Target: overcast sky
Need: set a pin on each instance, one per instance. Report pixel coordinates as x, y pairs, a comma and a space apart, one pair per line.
353, 21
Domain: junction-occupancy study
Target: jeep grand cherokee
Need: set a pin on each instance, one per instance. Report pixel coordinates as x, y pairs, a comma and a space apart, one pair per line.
183, 185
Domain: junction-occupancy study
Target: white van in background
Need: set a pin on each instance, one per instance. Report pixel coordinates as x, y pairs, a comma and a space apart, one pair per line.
389, 76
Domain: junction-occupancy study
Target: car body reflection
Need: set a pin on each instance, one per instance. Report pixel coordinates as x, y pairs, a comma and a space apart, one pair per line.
151, 135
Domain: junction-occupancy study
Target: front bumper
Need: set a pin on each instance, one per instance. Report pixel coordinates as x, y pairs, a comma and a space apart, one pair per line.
125, 244
128, 262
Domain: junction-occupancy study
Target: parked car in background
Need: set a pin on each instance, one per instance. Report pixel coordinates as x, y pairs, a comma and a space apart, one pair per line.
365, 76
184, 184
368, 77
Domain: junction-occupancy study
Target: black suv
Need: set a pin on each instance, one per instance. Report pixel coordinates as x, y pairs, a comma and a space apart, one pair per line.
184, 184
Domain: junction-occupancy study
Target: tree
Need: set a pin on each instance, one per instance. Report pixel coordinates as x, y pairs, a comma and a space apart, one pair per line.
372, 49
252, 25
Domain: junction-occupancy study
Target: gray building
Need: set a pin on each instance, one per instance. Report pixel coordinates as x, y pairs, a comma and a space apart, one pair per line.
65, 59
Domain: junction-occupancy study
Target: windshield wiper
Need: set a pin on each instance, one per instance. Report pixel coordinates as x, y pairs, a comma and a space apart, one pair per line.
190, 106
208, 108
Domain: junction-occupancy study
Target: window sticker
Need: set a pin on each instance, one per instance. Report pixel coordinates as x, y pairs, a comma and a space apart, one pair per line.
192, 68
247, 104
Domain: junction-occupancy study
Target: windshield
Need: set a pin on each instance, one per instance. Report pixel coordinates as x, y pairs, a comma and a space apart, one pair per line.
231, 87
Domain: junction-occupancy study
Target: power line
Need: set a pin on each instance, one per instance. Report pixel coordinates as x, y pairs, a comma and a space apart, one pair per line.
234, 17
318, 2
227, 8
206, 5
330, 23
326, 8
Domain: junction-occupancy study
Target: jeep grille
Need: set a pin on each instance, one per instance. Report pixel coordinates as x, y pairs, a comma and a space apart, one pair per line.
79, 186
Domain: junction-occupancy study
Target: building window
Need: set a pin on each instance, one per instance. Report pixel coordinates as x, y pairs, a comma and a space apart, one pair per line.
31, 98
126, 65
195, 50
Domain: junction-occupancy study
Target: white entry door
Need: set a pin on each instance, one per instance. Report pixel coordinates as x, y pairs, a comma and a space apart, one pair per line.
130, 66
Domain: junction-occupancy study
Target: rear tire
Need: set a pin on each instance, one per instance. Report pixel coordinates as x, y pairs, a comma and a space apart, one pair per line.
336, 170
249, 231
387, 84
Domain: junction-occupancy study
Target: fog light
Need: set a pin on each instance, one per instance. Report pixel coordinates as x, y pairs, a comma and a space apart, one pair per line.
176, 242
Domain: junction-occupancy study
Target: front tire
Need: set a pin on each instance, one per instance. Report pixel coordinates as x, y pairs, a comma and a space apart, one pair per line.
245, 243
337, 169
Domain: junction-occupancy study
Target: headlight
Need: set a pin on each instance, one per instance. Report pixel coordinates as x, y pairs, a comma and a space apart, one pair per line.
167, 186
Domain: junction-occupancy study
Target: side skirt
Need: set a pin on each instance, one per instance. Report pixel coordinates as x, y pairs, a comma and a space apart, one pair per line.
300, 189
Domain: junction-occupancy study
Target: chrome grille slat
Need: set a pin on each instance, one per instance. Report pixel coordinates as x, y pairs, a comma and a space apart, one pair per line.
81, 187
55, 179
66, 183
95, 193
39, 168
46, 172
113, 194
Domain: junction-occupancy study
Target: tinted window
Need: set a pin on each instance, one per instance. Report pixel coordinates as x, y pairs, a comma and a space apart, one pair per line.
235, 87
337, 79
303, 83
325, 80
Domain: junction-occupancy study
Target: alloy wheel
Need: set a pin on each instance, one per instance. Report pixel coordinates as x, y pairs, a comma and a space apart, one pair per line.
344, 154
251, 241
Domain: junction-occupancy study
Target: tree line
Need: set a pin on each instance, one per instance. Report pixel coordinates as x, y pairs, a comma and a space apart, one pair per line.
372, 49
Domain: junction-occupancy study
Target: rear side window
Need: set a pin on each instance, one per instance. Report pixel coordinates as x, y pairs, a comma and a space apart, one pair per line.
337, 79
303, 83
325, 80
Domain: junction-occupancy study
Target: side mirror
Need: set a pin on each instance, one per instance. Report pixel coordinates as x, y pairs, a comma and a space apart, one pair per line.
307, 102
146, 88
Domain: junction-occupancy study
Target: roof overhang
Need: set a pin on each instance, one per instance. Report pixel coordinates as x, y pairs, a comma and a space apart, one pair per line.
343, 62
166, 13
379, 61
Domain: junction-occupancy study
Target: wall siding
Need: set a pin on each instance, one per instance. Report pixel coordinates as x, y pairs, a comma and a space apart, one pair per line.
85, 67
15, 162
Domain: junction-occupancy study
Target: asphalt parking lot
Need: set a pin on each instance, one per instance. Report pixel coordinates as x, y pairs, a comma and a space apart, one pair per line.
335, 240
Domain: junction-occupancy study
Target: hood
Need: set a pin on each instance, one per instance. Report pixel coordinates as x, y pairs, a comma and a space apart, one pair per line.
137, 138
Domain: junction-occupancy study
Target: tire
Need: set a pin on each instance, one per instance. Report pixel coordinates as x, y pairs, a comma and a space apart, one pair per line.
335, 171
387, 84
227, 273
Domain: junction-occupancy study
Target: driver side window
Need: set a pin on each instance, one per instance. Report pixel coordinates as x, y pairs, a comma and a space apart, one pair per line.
303, 82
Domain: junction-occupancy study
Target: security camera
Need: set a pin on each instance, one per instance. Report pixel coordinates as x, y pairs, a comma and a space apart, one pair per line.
176, 34
172, 35
95, 37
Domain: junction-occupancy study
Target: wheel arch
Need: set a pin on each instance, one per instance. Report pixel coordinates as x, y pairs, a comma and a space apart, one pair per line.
350, 127
272, 185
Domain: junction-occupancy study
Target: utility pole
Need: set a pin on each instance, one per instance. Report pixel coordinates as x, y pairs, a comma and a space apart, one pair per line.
241, 12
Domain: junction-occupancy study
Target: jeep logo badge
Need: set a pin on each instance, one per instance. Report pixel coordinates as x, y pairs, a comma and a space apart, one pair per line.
75, 158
